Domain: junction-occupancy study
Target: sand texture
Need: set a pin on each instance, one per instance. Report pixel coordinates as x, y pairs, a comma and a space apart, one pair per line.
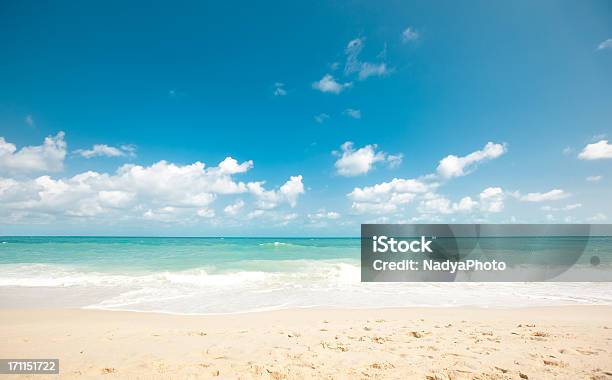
415, 343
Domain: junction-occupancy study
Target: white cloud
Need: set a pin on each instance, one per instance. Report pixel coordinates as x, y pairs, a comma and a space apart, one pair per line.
599, 217
163, 192
255, 214
279, 89
99, 150
356, 162
320, 118
596, 151
409, 35
364, 70
437, 204
453, 166
383, 192
395, 160
278, 218
323, 215
355, 114
552, 195
492, 199
115, 198
372, 69
206, 213
231, 166
287, 193
564, 208
292, 189
568, 151
29, 120
387, 196
373, 208
329, 84
594, 178
607, 44
48, 157
352, 50
390, 197
466, 204
234, 208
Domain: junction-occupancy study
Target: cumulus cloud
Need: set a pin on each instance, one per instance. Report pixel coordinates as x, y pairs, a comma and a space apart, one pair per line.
466, 204
596, 151
492, 199
393, 196
607, 44
552, 195
454, 166
231, 166
409, 35
206, 213
437, 204
234, 208
29, 120
355, 114
287, 193
48, 157
103, 150
354, 162
329, 84
387, 196
163, 191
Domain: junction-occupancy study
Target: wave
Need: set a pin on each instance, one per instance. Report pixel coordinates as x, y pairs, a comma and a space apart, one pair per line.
278, 244
279, 284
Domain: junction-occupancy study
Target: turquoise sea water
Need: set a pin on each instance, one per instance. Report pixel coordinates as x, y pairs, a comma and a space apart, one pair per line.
134, 254
221, 275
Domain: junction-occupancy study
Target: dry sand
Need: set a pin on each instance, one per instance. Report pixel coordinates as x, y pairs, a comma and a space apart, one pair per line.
415, 343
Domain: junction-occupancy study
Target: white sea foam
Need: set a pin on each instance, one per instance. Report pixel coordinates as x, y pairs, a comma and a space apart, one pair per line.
285, 284
278, 244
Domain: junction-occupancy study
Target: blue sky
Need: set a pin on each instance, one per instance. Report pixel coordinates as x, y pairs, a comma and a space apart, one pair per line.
287, 86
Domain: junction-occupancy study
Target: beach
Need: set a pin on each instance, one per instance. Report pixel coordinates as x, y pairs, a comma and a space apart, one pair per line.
181, 308
569, 342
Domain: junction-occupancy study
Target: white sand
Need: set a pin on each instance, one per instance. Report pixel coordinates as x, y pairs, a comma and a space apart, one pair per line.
421, 343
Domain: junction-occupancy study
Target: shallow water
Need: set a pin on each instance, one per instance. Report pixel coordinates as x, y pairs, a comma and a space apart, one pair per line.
226, 275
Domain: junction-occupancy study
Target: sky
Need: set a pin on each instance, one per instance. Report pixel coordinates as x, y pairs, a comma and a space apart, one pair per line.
302, 119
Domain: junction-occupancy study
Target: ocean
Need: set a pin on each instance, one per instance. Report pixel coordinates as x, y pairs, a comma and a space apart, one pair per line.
233, 275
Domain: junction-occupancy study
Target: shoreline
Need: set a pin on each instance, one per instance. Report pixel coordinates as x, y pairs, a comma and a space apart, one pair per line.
193, 299
326, 308
413, 342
